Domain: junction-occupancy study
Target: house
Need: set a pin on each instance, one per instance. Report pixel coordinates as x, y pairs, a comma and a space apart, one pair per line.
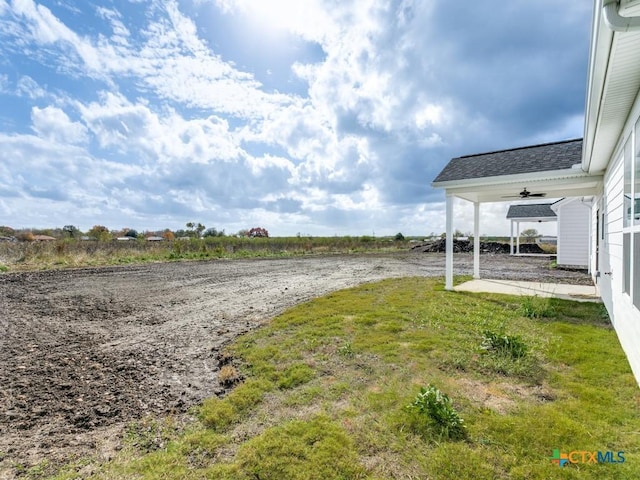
574, 231
612, 146
532, 212
604, 165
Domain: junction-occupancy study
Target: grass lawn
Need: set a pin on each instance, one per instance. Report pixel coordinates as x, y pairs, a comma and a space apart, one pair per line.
327, 392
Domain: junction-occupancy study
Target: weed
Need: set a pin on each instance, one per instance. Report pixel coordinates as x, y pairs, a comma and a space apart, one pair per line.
438, 407
346, 350
537, 307
509, 345
3, 268
228, 376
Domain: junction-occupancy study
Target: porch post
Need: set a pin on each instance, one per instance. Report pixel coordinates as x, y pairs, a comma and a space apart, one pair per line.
518, 237
511, 238
476, 240
448, 275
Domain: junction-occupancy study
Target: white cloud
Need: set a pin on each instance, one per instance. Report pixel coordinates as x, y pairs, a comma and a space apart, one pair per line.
121, 33
390, 92
431, 114
4, 83
162, 136
55, 125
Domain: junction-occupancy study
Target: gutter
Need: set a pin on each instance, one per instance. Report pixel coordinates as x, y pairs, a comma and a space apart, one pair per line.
615, 21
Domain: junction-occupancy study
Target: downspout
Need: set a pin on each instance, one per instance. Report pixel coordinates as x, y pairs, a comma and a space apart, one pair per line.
617, 22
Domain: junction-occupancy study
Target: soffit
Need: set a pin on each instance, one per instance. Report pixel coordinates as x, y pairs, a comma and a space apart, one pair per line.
619, 75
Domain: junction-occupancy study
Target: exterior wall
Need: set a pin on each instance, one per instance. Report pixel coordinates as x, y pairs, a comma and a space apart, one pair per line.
573, 234
625, 317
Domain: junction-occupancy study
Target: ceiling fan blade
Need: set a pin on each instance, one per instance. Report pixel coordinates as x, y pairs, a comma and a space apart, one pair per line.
537, 194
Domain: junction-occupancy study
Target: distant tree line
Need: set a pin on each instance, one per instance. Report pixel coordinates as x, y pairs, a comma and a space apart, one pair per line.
102, 233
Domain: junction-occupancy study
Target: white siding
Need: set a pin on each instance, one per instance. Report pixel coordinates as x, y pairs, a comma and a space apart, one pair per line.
624, 316
573, 233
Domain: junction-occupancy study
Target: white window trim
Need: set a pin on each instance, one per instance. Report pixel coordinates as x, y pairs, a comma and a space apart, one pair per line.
633, 227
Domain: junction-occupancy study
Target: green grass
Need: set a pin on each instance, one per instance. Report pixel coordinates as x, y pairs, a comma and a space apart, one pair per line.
327, 385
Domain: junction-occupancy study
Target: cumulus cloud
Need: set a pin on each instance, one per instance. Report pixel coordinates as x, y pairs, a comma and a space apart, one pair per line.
152, 99
27, 86
54, 124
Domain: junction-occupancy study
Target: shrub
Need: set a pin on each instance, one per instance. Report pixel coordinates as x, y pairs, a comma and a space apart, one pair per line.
437, 406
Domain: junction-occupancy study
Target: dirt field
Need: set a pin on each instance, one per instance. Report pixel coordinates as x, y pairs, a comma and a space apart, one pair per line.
83, 352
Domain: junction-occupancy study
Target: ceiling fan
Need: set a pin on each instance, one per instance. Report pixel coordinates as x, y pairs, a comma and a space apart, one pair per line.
525, 194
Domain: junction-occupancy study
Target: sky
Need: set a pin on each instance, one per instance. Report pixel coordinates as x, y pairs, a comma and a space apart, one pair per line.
311, 117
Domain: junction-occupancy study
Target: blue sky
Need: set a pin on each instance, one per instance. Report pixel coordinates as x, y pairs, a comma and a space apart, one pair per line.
318, 117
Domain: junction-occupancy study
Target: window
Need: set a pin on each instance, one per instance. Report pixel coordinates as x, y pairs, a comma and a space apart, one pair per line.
628, 183
636, 189
631, 217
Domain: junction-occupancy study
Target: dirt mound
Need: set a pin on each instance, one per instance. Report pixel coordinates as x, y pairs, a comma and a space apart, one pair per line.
466, 246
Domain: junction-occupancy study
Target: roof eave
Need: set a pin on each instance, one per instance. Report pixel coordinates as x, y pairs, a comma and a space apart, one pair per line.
507, 179
599, 53
534, 219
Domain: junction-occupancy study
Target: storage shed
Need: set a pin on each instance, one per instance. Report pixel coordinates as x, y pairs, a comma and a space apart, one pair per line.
574, 231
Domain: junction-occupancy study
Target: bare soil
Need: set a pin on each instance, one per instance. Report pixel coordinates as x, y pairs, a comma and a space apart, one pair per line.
84, 352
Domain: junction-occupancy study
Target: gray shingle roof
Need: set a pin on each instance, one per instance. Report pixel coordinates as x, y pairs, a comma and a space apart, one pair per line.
536, 158
532, 210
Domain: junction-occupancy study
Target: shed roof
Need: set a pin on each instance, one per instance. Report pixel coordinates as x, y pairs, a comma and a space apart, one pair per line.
537, 158
531, 210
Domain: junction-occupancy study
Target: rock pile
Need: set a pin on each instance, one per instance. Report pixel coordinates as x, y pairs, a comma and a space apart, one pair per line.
466, 246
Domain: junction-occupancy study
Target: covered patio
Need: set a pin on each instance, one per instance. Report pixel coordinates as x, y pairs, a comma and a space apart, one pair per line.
551, 170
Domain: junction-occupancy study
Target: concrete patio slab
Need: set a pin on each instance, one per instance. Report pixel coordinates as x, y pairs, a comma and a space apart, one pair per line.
581, 293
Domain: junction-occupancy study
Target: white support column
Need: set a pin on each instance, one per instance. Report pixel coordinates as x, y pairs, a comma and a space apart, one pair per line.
517, 238
476, 240
448, 275
511, 239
